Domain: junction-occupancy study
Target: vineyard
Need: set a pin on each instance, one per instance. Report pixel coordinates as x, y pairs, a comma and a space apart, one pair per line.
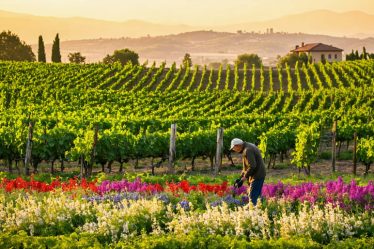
99, 114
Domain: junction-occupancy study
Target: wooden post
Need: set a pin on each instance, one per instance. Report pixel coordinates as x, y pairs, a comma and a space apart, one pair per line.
354, 153
82, 167
28, 150
219, 151
93, 152
333, 146
172, 148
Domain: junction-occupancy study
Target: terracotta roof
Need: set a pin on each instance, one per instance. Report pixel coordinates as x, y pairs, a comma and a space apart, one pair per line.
317, 47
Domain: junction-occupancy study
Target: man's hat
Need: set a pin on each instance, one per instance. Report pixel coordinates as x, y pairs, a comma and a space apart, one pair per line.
235, 141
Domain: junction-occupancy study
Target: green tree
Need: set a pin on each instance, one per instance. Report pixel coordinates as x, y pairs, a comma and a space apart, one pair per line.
292, 58
356, 56
56, 55
187, 61
249, 59
350, 57
41, 50
364, 54
76, 58
13, 49
123, 56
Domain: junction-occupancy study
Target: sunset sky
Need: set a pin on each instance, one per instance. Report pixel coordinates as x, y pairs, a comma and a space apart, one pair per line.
191, 12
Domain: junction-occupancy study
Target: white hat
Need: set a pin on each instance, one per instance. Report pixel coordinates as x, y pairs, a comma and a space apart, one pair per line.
235, 141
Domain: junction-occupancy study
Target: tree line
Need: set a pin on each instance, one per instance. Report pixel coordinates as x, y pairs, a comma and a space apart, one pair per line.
12, 48
355, 55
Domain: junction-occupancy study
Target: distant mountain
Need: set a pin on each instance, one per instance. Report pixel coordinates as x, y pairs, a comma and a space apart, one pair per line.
351, 24
158, 42
29, 27
205, 46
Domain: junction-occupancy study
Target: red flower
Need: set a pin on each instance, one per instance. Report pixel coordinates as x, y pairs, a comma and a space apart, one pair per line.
32, 185
184, 186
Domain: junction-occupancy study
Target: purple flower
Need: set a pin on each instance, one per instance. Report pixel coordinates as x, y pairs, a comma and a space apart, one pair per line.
185, 205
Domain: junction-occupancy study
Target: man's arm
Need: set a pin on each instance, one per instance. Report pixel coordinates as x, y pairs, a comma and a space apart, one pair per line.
252, 164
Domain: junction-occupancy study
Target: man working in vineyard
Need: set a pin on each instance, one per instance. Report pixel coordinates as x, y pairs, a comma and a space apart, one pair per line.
253, 167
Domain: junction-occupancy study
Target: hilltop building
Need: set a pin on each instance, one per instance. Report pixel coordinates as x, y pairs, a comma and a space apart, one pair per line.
320, 52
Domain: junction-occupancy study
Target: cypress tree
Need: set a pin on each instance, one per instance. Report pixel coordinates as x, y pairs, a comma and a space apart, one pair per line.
364, 53
56, 55
41, 50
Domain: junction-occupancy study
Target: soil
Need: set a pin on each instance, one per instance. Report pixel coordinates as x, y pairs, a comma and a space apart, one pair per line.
202, 166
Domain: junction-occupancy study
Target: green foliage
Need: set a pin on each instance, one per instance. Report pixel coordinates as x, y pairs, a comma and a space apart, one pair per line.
365, 150
219, 77
271, 83
167, 77
289, 78
236, 77
326, 155
56, 54
201, 83
13, 49
74, 241
41, 50
83, 146
201, 239
292, 58
76, 58
352, 243
262, 78
307, 141
187, 61
345, 155
280, 78
248, 59
122, 56
356, 56
195, 239
298, 78
278, 139
253, 81
245, 82
227, 80
65, 100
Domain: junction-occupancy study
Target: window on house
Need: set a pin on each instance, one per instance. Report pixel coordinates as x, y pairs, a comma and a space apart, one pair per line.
329, 56
336, 56
322, 57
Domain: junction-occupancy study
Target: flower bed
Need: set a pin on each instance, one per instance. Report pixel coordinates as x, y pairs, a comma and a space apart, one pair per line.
115, 211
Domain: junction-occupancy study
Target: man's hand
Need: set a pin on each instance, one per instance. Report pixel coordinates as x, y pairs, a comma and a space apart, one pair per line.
244, 179
238, 183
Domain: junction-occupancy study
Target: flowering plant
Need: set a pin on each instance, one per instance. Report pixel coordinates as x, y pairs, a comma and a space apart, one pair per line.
72, 184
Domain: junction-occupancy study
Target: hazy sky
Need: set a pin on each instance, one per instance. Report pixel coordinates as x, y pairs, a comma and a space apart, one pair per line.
193, 12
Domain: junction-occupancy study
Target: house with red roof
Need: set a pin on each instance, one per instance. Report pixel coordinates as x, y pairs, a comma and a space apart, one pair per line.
319, 52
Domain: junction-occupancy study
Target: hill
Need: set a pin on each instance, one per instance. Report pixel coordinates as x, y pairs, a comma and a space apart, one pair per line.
205, 46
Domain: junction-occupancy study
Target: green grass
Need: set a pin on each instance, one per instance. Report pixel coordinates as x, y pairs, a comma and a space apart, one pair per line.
283, 165
344, 155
